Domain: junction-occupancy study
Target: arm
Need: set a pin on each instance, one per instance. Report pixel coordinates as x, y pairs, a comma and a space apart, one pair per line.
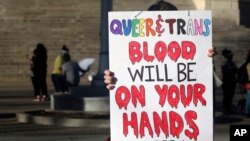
29, 60
82, 70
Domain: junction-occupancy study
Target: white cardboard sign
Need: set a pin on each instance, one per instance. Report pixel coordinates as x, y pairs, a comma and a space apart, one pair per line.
164, 89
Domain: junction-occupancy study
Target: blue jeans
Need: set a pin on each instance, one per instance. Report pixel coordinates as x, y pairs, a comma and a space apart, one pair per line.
58, 82
248, 102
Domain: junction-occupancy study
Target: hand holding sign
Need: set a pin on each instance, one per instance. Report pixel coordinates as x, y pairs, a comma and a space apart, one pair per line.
109, 79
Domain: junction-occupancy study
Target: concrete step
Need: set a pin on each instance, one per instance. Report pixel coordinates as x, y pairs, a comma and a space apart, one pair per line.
66, 118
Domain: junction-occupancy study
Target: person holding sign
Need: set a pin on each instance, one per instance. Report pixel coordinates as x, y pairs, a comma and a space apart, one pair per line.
164, 89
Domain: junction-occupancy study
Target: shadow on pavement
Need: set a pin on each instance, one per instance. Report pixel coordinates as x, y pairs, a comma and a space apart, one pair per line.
226, 119
6, 116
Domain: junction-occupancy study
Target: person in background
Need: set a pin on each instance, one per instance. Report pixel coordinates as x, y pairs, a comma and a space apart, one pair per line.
229, 79
71, 71
244, 80
40, 73
57, 74
31, 63
161, 5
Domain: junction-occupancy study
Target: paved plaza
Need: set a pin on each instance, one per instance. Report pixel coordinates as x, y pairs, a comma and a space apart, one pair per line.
19, 99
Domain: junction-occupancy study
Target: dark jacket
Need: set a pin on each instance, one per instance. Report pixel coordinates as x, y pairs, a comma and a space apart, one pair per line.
242, 74
229, 72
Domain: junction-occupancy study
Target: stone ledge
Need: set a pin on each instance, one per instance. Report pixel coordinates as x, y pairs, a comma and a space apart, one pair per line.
82, 98
65, 119
79, 103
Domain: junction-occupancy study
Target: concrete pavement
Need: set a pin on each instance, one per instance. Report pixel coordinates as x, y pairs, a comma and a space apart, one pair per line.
19, 98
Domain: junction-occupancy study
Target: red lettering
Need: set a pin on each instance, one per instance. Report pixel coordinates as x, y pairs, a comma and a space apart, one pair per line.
183, 94
186, 96
174, 50
190, 116
161, 123
145, 123
160, 51
133, 123
199, 90
176, 124
162, 92
122, 91
173, 96
135, 54
170, 123
188, 50
147, 57
138, 95
123, 96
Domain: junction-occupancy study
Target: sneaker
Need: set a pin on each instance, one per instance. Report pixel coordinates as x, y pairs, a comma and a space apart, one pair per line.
37, 98
44, 98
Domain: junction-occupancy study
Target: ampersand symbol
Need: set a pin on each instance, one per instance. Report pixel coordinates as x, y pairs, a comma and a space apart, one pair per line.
159, 28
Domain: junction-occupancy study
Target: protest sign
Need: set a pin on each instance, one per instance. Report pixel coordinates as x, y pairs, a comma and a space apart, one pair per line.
164, 89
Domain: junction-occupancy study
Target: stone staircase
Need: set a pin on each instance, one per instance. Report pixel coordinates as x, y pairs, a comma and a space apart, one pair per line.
228, 32
233, 37
244, 12
24, 24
